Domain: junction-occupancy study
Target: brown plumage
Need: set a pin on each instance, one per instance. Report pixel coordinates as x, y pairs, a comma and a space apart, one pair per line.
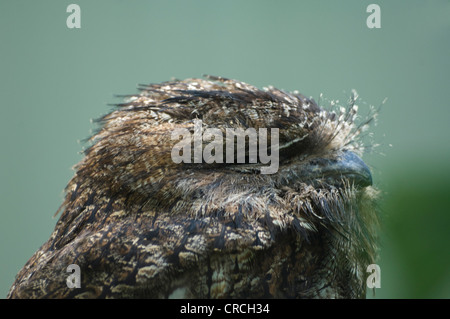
140, 225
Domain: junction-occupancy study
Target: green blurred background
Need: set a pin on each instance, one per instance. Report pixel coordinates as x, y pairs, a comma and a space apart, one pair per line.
55, 79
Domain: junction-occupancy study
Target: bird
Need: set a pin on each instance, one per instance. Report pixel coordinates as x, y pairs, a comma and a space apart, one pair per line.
138, 222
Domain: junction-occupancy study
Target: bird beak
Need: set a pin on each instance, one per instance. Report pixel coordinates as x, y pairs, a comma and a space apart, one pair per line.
345, 166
